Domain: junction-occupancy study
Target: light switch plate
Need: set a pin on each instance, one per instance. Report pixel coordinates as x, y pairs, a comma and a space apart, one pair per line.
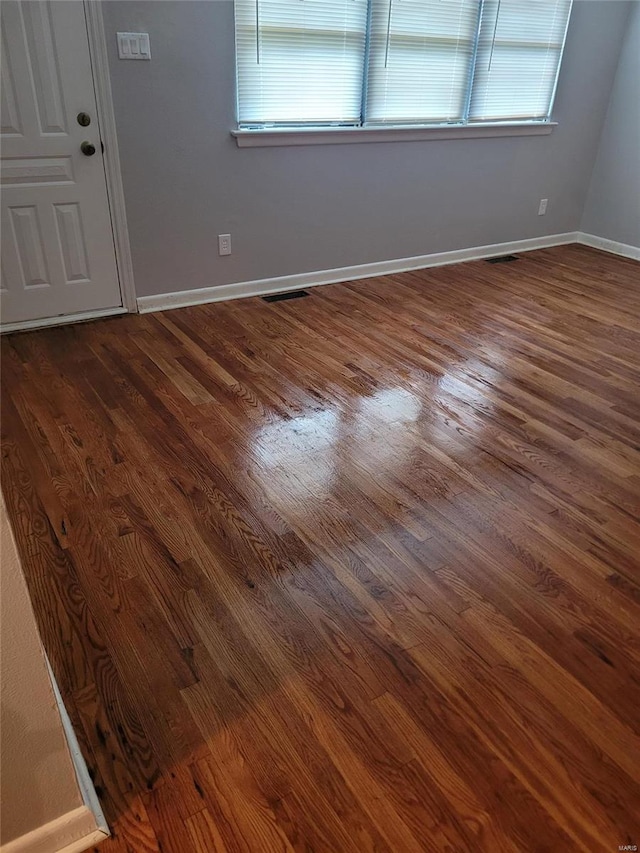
134, 46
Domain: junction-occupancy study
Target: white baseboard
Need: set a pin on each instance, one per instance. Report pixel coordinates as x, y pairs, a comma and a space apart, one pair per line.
609, 245
280, 284
72, 832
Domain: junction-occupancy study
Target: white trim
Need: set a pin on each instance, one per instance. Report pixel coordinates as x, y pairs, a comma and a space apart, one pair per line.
85, 843
268, 137
239, 290
72, 832
107, 121
82, 771
609, 245
63, 320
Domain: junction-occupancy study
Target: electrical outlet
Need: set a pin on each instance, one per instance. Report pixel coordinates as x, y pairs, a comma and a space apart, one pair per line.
542, 207
224, 244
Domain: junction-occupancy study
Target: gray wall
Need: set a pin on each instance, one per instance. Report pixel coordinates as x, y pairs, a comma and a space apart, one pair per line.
293, 210
613, 203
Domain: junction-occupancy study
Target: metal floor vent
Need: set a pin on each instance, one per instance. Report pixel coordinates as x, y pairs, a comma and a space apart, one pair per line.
502, 259
292, 294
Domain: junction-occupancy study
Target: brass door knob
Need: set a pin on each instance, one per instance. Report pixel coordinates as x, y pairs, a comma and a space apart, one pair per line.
88, 149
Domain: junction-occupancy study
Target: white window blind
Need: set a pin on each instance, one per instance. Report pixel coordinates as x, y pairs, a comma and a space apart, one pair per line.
368, 63
300, 61
519, 53
420, 60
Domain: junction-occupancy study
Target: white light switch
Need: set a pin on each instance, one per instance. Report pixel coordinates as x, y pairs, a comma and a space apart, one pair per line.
134, 46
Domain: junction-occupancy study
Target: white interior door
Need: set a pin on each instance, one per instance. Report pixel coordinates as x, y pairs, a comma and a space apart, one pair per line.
57, 243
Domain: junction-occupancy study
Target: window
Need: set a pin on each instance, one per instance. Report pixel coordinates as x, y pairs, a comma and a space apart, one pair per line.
381, 63
420, 61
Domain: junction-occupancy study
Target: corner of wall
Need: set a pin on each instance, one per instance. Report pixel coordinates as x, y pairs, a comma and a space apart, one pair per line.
611, 211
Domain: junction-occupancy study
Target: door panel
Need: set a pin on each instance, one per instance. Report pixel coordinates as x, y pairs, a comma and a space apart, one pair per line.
58, 257
11, 125
29, 247
72, 245
46, 86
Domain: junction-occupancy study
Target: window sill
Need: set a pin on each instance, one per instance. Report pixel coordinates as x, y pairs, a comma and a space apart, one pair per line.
269, 137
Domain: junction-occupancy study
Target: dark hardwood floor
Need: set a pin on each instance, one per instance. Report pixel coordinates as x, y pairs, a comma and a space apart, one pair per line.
353, 572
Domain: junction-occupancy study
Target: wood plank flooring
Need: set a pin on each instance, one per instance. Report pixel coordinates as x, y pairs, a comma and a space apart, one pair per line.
353, 572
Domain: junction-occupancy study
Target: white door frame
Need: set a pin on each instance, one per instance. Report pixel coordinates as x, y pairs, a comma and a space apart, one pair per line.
115, 191
107, 120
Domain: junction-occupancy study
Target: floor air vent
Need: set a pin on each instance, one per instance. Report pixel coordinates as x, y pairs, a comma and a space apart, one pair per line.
292, 294
502, 259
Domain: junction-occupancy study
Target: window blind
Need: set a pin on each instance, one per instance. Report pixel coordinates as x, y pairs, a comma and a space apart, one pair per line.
519, 53
300, 61
420, 60
393, 62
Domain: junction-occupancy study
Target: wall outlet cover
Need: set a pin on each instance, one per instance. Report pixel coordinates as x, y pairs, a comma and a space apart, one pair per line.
224, 244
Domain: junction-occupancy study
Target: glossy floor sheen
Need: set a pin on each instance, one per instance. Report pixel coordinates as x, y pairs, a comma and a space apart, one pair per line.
352, 572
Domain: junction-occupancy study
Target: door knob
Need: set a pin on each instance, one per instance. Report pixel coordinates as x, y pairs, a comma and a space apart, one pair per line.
88, 149
84, 119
